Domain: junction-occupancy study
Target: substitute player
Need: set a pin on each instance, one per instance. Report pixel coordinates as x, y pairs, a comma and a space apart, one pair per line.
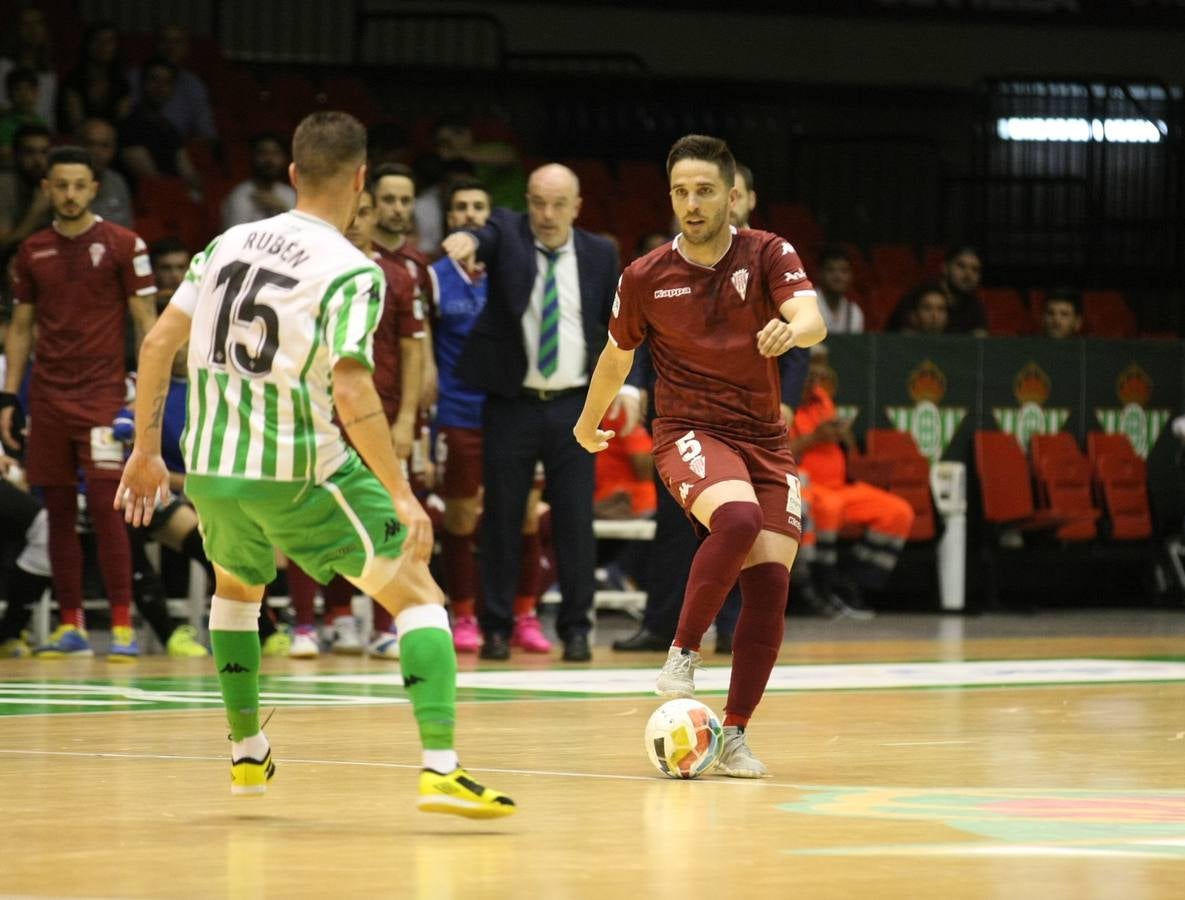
719, 306
77, 281
280, 317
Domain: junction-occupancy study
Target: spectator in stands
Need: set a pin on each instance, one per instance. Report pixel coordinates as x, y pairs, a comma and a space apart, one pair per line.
28, 47
551, 294
842, 315
459, 301
650, 241
746, 200
99, 86
24, 206
1061, 315
960, 282
78, 281
924, 310
495, 163
267, 192
818, 439
114, 200
151, 144
189, 106
22, 87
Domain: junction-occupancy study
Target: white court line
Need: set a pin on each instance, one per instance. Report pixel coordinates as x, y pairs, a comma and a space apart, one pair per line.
288, 761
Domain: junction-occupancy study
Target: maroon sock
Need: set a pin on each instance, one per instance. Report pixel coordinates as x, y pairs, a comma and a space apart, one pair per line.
757, 638
339, 598
302, 591
714, 570
115, 550
526, 595
65, 551
460, 566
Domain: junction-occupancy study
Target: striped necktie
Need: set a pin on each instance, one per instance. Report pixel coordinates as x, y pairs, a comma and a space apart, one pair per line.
549, 323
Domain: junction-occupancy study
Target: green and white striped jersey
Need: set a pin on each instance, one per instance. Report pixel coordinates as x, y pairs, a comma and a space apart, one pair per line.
275, 304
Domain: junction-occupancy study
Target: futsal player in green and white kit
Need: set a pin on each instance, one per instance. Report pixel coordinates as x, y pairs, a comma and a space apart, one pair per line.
280, 317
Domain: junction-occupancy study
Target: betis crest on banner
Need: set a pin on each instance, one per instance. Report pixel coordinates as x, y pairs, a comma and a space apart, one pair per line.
932, 426
1031, 387
1142, 425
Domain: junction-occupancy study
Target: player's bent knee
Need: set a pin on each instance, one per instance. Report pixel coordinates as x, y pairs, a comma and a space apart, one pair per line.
399, 582
772, 546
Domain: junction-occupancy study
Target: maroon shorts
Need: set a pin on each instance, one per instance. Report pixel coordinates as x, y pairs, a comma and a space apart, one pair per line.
58, 446
692, 460
458, 454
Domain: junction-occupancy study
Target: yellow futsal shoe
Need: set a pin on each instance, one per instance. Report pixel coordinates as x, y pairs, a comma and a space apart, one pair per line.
459, 794
249, 777
183, 642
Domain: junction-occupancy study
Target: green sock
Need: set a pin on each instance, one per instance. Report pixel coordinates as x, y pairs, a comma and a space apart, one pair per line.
429, 666
236, 655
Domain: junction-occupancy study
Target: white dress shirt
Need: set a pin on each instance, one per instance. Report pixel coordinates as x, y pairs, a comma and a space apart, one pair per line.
570, 367
846, 318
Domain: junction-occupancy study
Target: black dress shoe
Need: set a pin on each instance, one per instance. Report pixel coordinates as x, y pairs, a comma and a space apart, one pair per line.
724, 644
495, 647
642, 639
576, 648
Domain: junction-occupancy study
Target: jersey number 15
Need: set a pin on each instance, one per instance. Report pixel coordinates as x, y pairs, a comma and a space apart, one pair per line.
240, 304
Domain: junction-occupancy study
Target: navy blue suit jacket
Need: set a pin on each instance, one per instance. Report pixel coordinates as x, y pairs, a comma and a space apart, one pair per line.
495, 359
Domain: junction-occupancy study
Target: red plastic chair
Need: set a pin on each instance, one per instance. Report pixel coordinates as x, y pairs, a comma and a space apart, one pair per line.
1123, 481
1005, 484
1106, 314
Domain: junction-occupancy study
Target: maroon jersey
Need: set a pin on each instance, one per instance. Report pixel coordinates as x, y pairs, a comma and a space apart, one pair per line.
416, 263
402, 318
80, 287
702, 322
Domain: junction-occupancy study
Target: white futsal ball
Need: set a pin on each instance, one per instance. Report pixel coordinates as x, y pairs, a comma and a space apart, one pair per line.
684, 738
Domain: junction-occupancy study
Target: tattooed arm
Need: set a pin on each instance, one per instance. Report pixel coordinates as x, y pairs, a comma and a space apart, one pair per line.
145, 476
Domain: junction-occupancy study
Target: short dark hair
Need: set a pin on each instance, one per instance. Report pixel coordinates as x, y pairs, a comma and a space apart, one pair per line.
165, 246
70, 155
18, 76
833, 252
1064, 294
958, 250
707, 149
746, 175
28, 130
463, 183
387, 169
914, 297
158, 62
260, 137
326, 144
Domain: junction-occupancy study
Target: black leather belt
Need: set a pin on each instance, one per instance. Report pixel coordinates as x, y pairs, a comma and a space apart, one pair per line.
550, 394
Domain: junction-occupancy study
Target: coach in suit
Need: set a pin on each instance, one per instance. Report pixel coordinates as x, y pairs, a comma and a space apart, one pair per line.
551, 290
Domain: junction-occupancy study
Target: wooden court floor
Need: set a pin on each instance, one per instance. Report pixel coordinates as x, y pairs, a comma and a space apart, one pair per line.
903, 767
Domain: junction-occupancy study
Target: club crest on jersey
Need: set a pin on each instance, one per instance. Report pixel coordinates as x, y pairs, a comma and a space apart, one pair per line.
740, 281
699, 466
96, 250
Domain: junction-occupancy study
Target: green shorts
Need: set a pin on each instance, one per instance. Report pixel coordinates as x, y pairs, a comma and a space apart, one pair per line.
334, 528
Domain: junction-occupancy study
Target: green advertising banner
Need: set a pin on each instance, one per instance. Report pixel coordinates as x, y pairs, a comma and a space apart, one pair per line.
929, 388
1033, 386
1133, 388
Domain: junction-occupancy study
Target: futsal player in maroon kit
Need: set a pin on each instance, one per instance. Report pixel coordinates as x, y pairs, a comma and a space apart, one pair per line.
76, 281
718, 307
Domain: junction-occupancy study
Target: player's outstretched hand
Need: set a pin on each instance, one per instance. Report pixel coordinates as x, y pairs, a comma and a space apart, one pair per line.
419, 540
461, 246
775, 338
593, 440
145, 478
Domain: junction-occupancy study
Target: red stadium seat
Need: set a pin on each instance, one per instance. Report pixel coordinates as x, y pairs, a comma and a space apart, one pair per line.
1005, 484
1123, 483
890, 443
1065, 484
1106, 314
1099, 443
896, 264
933, 261
1059, 445
877, 472
1006, 313
909, 479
